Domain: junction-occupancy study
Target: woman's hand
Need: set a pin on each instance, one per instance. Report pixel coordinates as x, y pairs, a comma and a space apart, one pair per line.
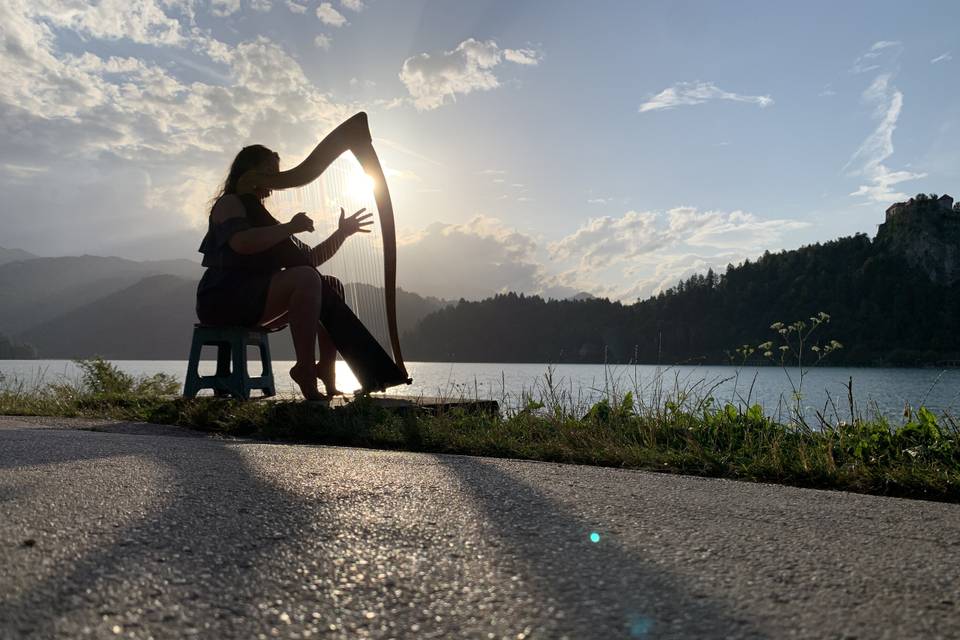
302, 222
354, 224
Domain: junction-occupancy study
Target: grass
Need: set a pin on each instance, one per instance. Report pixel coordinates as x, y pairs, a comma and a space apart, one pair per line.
680, 431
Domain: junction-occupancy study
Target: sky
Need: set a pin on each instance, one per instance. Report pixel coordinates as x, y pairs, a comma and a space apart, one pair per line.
540, 147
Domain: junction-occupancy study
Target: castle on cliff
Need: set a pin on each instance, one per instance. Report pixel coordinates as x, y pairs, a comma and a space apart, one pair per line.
931, 205
926, 231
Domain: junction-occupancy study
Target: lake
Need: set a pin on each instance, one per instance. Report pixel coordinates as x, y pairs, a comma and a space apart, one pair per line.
886, 391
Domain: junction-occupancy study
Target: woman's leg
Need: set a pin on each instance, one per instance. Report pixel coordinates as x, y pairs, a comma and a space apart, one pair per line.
327, 361
296, 293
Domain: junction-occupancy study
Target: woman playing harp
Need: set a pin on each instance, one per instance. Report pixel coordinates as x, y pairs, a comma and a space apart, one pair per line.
259, 275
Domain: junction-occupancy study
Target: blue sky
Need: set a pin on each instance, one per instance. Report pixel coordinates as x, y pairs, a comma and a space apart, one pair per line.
545, 147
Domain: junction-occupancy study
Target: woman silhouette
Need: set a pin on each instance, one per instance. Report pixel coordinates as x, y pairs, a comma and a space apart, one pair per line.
259, 275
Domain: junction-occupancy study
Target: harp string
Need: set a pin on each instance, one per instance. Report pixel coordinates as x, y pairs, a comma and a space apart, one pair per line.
359, 262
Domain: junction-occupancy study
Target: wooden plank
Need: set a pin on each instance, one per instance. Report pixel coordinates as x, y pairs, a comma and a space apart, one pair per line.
431, 405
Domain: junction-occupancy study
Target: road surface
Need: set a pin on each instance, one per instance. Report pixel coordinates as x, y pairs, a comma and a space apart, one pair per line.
146, 532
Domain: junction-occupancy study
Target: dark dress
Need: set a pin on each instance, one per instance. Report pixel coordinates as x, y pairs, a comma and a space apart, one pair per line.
233, 290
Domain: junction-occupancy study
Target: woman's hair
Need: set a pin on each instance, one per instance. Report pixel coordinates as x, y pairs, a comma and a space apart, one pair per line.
249, 158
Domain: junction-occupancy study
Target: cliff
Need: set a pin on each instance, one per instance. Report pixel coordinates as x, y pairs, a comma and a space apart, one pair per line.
926, 231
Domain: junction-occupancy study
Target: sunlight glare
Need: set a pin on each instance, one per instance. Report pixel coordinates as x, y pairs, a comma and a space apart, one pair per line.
360, 185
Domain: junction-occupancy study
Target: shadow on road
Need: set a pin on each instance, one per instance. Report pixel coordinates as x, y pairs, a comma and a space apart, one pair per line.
188, 561
603, 589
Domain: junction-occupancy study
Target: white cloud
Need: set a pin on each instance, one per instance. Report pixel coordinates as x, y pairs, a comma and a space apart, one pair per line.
323, 41
353, 5
691, 93
224, 8
330, 16
943, 57
868, 160
879, 54
262, 6
140, 21
606, 241
522, 56
296, 7
624, 257
639, 254
98, 121
432, 79
480, 257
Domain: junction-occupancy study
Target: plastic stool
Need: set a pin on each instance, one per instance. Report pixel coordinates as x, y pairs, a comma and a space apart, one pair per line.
231, 343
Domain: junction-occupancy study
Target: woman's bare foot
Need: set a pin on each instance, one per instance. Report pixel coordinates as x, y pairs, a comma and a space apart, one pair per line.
306, 379
327, 374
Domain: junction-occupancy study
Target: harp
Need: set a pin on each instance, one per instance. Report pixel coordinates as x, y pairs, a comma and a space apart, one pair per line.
359, 312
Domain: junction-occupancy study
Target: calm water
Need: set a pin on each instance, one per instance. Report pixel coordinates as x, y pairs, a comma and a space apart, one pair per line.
883, 390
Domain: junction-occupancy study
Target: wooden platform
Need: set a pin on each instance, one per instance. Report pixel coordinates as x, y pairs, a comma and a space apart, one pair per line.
434, 406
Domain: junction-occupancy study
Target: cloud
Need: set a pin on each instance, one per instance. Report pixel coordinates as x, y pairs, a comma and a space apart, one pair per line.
323, 41
480, 258
638, 254
295, 7
625, 257
943, 57
879, 54
262, 6
330, 16
691, 93
139, 21
522, 56
353, 5
868, 160
224, 8
605, 241
433, 79
146, 145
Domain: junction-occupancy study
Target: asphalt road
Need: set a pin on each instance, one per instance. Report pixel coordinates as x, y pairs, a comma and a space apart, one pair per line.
135, 533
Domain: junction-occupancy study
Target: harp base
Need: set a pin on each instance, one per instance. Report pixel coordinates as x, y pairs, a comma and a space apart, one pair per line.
374, 369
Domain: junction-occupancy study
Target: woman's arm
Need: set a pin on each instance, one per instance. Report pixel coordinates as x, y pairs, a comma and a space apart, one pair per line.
325, 250
256, 239
353, 134
356, 223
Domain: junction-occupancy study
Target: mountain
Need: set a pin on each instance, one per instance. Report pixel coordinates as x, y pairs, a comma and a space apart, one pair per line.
36, 290
12, 255
153, 319
893, 300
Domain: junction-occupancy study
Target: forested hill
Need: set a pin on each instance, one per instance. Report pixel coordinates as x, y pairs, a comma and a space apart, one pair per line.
892, 300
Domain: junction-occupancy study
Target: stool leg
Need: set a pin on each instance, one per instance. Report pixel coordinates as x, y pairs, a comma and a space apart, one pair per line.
239, 377
191, 384
223, 368
269, 388
223, 359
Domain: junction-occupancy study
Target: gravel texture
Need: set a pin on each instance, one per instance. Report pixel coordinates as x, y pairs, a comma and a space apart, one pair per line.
130, 531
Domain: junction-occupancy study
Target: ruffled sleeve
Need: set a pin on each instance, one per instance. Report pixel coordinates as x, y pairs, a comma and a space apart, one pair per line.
219, 234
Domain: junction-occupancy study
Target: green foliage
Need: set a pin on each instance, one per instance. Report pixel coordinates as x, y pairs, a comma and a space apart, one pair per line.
684, 431
102, 378
701, 317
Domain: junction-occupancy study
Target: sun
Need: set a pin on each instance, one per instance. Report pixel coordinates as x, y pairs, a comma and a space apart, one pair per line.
360, 186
